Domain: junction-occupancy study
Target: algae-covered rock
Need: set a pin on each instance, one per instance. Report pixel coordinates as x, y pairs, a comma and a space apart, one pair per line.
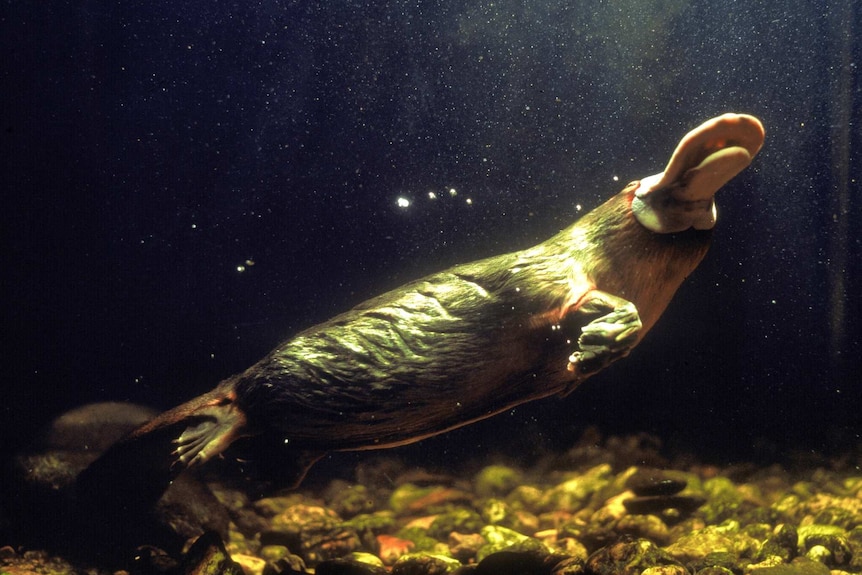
714, 538
496, 481
644, 527
799, 566
832, 549
502, 539
574, 493
782, 543
629, 558
422, 564
537, 562
723, 500
815, 534
407, 494
456, 520
320, 543
420, 538
525, 497
500, 512
464, 547
646, 481
665, 570
390, 549
354, 564
714, 570
348, 500
371, 522
208, 556
410, 498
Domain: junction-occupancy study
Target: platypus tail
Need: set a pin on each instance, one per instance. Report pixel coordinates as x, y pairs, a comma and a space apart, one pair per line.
114, 497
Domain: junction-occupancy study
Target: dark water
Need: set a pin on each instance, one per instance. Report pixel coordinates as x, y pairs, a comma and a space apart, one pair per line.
154, 150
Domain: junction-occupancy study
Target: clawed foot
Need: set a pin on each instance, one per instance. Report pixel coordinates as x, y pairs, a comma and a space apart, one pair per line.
211, 429
606, 339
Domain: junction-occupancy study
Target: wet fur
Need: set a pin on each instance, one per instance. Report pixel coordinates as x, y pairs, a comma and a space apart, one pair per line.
462, 344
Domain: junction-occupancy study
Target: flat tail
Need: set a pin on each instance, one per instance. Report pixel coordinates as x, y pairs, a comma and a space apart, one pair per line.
123, 486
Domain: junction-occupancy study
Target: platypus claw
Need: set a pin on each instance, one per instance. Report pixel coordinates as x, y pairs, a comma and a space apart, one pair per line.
606, 339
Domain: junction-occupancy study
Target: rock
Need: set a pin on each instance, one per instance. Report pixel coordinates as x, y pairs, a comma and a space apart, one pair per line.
573, 494
665, 570
273, 553
783, 543
207, 556
643, 527
799, 566
285, 565
647, 504
814, 530
422, 564
499, 512
653, 482
250, 565
349, 566
411, 498
464, 547
711, 539
456, 520
269, 507
714, 571
843, 516
569, 566
191, 509
628, 558
94, 427
517, 563
423, 541
834, 549
390, 548
715, 559
525, 497
502, 539
348, 500
723, 499
496, 481
320, 543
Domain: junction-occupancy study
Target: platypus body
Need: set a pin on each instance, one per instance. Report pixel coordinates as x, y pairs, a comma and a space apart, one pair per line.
469, 342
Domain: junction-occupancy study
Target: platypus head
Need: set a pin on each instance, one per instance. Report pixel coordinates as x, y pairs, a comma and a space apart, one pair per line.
708, 157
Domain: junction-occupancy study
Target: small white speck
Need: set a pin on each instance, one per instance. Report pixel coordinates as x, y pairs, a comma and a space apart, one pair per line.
616, 178
578, 207
469, 202
453, 192
432, 196
240, 268
403, 202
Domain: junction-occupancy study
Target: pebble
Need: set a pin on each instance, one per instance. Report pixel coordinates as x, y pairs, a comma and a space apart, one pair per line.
601, 518
657, 503
646, 482
632, 556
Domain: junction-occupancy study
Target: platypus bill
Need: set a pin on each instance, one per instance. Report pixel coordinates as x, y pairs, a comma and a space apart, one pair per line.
465, 343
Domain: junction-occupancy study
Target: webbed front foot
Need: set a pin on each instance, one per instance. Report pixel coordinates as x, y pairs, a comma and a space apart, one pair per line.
606, 338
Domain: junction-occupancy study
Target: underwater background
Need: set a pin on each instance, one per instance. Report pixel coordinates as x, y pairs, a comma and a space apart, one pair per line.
188, 184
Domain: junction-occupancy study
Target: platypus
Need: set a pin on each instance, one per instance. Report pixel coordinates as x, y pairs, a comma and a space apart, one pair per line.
465, 343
